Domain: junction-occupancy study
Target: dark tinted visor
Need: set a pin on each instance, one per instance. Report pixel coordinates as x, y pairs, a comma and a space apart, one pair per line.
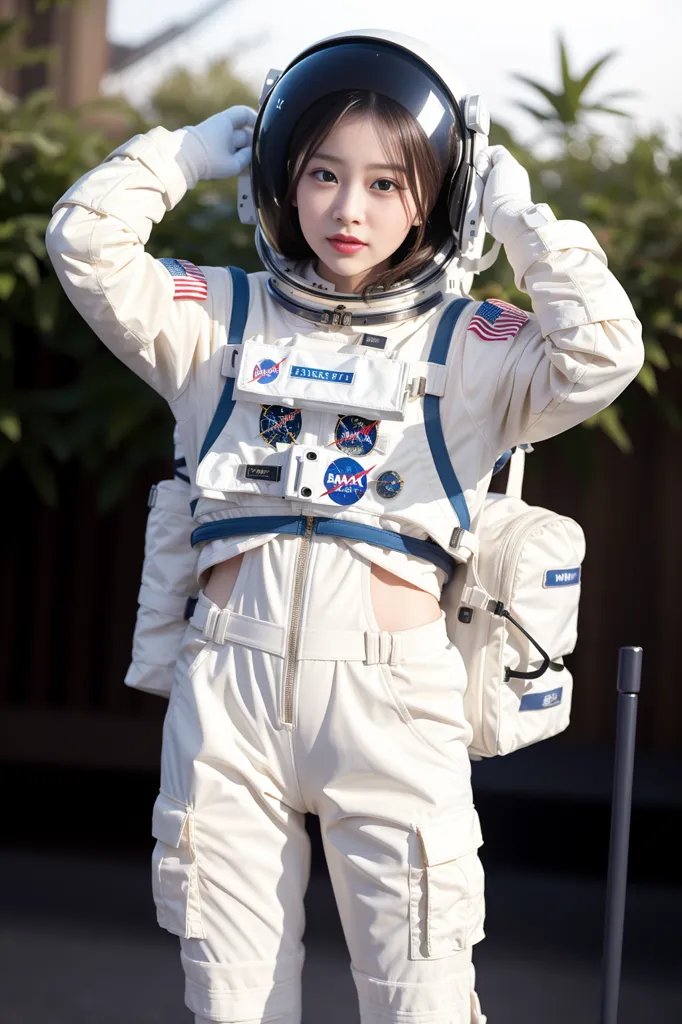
369, 65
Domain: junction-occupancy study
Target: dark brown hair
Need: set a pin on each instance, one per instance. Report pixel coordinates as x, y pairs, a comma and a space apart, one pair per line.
406, 144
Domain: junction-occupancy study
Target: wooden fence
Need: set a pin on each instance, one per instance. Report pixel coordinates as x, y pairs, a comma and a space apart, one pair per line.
69, 580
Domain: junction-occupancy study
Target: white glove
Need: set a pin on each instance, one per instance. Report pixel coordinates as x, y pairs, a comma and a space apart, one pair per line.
225, 143
506, 197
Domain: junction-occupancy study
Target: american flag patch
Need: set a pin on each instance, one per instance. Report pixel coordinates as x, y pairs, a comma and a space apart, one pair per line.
188, 281
496, 320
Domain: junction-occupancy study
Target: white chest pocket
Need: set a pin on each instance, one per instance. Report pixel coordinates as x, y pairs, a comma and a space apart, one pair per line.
322, 379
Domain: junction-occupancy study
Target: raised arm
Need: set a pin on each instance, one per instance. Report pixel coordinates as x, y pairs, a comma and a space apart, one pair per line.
579, 349
152, 314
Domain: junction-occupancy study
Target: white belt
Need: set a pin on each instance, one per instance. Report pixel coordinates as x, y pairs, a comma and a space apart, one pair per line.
373, 648
221, 625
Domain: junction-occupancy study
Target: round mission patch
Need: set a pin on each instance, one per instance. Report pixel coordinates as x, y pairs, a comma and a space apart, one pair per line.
279, 425
389, 484
355, 435
345, 481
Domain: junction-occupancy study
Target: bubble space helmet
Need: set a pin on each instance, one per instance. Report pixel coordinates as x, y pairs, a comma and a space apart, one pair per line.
408, 72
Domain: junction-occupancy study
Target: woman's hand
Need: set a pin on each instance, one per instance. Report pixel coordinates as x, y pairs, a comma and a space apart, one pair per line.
506, 197
226, 142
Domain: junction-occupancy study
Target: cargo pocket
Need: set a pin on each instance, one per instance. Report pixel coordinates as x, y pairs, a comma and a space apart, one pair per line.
174, 869
447, 905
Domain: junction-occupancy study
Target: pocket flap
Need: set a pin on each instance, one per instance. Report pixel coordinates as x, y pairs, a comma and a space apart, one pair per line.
452, 838
315, 377
169, 819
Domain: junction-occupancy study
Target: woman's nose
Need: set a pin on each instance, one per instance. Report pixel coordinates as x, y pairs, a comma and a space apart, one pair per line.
349, 206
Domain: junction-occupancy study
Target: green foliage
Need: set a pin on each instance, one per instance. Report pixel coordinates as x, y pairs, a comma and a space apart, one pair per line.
188, 97
12, 55
567, 109
42, 150
85, 406
65, 398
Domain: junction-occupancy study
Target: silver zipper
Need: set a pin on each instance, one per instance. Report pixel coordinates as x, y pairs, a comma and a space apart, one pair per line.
514, 544
294, 620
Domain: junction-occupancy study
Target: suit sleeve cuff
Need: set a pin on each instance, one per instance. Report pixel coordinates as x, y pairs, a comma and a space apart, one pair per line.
176, 158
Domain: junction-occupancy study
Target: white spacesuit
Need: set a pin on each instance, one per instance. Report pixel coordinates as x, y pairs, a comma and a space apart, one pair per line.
326, 434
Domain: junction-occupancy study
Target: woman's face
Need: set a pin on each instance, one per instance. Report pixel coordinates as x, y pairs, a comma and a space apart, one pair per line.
350, 188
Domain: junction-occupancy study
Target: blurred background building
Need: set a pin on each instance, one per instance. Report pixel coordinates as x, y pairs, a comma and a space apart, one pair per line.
84, 56
79, 35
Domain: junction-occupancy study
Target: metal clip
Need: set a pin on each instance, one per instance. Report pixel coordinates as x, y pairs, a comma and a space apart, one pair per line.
338, 318
416, 388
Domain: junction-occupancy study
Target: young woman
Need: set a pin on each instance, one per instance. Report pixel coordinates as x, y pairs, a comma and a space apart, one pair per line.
339, 447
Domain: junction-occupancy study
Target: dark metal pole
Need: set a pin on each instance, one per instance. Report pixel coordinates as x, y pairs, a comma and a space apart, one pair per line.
629, 673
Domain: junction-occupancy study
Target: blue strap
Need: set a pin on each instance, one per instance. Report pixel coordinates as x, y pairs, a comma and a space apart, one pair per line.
179, 465
248, 524
432, 423
296, 525
240, 311
502, 461
426, 549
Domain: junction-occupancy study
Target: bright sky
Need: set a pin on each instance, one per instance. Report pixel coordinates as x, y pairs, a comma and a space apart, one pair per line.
484, 47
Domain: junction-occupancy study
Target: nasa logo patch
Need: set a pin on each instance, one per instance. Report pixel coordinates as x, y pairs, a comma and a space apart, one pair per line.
345, 481
389, 484
279, 425
266, 371
355, 435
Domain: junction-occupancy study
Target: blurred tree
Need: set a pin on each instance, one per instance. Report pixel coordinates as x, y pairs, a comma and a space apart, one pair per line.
63, 396
633, 206
42, 148
567, 110
188, 97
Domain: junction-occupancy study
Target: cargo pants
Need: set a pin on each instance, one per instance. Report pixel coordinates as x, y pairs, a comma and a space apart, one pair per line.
291, 700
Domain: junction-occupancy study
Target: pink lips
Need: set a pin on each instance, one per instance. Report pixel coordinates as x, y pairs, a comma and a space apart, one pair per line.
346, 243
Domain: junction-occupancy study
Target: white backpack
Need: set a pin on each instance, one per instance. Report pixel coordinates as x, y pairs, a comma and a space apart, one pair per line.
168, 585
512, 611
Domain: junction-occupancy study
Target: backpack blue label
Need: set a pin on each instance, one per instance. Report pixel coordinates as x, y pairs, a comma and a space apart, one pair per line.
562, 577
541, 701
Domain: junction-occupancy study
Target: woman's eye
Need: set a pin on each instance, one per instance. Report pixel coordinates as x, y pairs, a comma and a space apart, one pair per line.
329, 175
385, 185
